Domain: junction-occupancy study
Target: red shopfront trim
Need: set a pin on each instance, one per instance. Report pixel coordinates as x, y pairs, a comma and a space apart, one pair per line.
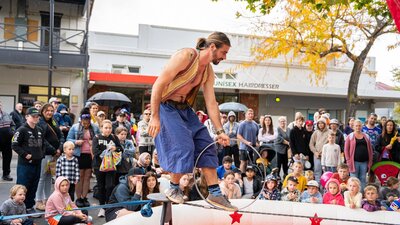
122, 78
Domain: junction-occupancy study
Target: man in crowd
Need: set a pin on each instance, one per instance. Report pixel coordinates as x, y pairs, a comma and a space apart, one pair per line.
247, 135
7, 128
17, 116
146, 142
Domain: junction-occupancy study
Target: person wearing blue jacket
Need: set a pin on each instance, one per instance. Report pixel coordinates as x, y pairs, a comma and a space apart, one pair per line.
128, 189
62, 119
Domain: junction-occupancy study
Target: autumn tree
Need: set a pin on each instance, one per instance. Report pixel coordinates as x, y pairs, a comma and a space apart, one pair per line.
313, 32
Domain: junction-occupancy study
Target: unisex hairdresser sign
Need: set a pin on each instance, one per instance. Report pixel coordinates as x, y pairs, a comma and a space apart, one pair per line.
245, 85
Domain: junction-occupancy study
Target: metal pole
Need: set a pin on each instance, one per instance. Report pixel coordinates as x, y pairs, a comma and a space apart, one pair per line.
85, 75
50, 62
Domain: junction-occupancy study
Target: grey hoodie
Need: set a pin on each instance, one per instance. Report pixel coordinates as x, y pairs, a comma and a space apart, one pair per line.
231, 129
319, 138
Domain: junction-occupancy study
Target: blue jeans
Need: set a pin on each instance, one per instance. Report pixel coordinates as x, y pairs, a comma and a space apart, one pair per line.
361, 172
330, 169
29, 175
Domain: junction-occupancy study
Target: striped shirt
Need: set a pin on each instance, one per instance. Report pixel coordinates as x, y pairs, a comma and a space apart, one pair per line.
68, 168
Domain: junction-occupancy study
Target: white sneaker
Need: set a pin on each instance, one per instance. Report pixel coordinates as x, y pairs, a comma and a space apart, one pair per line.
102, 213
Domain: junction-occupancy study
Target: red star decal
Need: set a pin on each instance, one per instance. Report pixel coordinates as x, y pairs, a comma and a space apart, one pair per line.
315, 220
235, 217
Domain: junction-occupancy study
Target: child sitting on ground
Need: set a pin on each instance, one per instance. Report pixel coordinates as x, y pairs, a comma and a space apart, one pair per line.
270, 190
251, 184
291, 192
353, 197
15, 206
371, 202
391, 192
312, 194
309, 174
333, 195
68, 166
298, 174
229, 188
59, 206
225, 167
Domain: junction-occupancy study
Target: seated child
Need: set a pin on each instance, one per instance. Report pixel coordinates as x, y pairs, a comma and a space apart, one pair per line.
15, 206
371, 202
225, 167
59, 206
312, 194
291, 192
251, 184
333, 195
263, 162
298, 174
270, 190
229, 188
353, 197
238, 178
391, 192
342, 175
309, 174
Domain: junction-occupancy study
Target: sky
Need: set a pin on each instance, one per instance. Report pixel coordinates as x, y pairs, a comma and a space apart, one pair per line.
123, 16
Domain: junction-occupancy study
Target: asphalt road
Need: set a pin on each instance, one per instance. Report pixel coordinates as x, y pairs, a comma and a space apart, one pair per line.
5, 188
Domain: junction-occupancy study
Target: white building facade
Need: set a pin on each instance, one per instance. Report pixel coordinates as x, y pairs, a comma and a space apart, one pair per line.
24, 52
131, 63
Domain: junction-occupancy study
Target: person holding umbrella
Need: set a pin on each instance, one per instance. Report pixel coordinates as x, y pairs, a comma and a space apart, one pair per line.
179, 135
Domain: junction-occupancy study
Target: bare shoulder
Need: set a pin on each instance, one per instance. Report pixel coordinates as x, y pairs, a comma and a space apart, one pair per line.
180, 59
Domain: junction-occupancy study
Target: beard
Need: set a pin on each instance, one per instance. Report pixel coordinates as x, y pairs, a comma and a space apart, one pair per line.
215, 60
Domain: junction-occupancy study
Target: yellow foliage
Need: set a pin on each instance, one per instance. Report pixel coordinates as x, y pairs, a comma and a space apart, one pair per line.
310, 37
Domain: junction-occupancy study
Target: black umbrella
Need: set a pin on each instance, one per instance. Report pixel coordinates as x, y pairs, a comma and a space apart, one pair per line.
232, 106
110, 98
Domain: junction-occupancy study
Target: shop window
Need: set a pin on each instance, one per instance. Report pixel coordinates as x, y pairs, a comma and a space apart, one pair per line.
125, 69
230, 76
219, 75
134, 69
28, 94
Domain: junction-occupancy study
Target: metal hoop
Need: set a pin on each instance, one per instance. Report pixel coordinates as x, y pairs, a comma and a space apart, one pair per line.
194, 174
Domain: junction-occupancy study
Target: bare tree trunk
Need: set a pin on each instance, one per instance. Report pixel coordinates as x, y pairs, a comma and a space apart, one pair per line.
352, 95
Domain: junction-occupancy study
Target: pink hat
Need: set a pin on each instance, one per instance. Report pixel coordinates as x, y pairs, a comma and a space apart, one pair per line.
330, 181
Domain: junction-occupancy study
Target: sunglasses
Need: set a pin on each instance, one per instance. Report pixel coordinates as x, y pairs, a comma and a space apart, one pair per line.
147, 114
85, 116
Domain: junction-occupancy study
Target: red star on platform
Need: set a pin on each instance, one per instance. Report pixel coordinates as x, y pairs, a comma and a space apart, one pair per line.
235, 217
315, 220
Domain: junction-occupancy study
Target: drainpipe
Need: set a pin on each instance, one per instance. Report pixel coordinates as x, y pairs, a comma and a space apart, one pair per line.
86, 49
50, 62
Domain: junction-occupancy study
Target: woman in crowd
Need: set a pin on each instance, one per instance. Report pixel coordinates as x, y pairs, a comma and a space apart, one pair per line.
94, 109
358, 152
282, 145
387, 143
267, 135
150, 186
53, 145
82, 134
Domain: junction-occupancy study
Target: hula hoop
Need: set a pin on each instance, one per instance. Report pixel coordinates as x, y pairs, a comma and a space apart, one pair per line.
198, 190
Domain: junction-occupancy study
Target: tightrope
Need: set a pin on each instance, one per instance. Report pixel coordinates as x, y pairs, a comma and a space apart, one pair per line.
290, 215
119, 204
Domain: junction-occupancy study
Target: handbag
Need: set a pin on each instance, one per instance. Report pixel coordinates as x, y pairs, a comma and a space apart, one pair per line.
110, 160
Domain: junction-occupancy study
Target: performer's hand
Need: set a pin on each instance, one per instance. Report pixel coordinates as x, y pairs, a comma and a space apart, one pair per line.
154, 126
223, 139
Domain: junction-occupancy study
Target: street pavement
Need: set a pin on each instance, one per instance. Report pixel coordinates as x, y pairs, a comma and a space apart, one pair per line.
5, 194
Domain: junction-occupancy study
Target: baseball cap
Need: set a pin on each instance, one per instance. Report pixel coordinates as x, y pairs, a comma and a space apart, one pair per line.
312, 183
309, 122
294, 179
99, 113
136, 172
53, 99
32, 111
335, 121
122, 112
271, 177
250, 168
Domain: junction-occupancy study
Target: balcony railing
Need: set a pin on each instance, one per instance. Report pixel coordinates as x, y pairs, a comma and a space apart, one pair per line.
36, 38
